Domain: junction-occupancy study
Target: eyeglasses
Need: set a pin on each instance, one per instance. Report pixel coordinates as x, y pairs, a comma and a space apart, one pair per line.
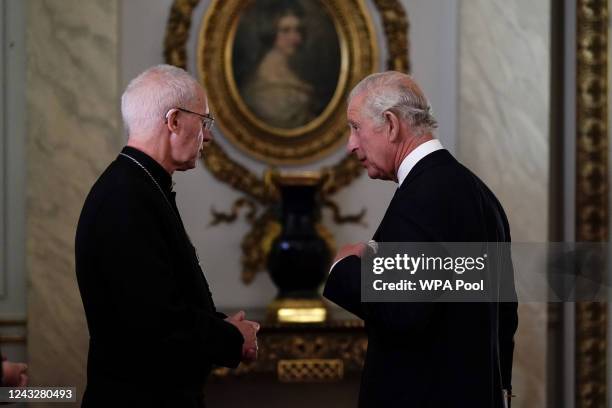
207, 120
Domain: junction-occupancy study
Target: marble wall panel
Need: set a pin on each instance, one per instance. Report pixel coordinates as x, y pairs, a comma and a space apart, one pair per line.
504, 77
73, 132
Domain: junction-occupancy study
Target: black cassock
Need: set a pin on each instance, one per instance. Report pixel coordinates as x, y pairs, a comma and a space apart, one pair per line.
154, 331
437, 355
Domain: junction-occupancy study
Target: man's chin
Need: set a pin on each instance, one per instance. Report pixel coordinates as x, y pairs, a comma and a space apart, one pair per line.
373, 174
378, 175
187, 166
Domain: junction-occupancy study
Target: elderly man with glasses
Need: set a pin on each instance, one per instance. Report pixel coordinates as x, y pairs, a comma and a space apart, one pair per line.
154, 331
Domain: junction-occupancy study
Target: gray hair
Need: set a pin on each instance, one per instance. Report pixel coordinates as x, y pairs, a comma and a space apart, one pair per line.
150, 95
396, 92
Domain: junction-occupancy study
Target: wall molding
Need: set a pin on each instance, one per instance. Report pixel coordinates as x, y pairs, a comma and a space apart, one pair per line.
592, 190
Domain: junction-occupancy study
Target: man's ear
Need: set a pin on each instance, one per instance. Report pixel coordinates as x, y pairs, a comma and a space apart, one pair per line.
171, 120
393, 126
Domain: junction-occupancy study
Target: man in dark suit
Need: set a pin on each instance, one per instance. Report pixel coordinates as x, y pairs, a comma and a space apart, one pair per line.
154, 331
425, 354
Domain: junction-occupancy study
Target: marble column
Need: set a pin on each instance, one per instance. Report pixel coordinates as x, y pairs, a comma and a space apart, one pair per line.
73, 132
504, 138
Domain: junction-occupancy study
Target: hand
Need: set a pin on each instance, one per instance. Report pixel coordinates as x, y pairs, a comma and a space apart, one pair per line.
357, 249
14, 374
249, 330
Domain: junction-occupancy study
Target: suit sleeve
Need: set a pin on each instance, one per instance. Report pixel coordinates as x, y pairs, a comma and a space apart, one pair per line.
508, 306
508, 323
343, 285
393, 318
508, 319
139, 284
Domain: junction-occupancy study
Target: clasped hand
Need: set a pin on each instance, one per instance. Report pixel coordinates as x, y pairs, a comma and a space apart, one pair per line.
249, 330
14, 374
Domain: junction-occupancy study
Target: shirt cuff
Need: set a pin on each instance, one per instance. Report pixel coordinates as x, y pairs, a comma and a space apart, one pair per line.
335, 263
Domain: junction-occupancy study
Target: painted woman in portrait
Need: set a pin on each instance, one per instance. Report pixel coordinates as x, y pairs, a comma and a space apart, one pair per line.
275, 92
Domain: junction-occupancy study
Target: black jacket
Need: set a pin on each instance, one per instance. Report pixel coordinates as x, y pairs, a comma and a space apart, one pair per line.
434, 354
154, 331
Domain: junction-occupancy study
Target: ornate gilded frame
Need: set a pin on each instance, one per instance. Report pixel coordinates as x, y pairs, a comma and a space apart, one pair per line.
218, 162
592, 190
358, 58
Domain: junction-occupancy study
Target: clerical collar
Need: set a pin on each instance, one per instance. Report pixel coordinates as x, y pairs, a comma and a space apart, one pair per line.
415, 156
157, 171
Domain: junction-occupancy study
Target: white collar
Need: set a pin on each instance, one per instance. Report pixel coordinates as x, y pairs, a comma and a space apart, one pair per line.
415, 156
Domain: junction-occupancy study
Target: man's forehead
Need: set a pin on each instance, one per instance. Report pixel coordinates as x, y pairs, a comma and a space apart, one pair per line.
355, 105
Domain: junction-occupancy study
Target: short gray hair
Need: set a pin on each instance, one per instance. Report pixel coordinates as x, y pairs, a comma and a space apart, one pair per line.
150, 95
396, 92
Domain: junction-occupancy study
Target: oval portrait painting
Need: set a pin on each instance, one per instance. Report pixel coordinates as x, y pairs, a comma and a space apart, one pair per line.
286, 61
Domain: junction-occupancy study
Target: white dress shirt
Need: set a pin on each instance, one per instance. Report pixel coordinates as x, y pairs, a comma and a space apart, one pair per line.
416, 156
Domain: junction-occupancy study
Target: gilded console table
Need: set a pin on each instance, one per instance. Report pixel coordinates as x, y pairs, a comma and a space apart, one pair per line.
306, 352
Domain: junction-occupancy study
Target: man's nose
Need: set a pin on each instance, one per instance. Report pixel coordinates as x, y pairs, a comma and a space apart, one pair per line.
207, 135
351, 145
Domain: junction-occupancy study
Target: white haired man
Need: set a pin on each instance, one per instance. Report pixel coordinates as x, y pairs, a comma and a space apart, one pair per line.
423, 354
154, 330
